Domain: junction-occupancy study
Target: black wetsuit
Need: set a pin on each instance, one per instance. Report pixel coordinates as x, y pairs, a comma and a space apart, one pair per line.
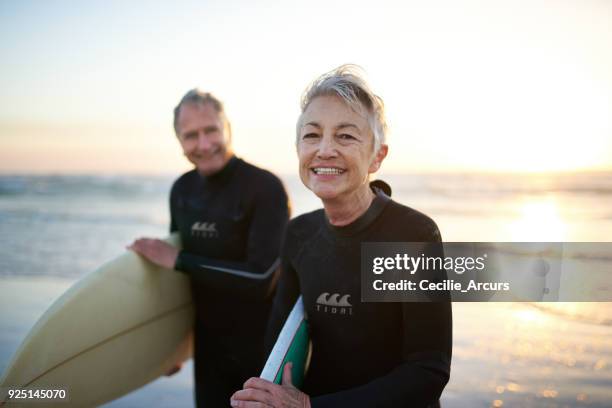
363, 354
231, 226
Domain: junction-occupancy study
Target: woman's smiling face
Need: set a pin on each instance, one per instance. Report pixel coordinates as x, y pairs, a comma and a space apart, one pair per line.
335, 148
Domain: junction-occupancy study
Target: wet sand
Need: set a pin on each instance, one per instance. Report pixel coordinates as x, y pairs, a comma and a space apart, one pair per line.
505, 354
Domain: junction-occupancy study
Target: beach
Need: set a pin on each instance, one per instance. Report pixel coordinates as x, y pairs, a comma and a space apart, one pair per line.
56, 229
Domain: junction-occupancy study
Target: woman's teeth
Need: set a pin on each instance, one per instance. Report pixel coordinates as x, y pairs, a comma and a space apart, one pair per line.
327, 170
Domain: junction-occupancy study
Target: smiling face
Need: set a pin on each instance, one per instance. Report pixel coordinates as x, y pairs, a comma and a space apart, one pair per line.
204, 137
335, 149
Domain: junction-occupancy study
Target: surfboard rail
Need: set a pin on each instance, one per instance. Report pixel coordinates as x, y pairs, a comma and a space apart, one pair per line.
292, 345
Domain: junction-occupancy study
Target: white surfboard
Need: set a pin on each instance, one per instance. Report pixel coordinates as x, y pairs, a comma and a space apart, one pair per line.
115, 330
292, 345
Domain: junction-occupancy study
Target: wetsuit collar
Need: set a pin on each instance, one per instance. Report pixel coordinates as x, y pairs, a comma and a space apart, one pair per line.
366, 219
224, 174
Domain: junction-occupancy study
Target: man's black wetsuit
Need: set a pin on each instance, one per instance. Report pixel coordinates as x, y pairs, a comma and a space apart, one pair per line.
363, 354
231, 225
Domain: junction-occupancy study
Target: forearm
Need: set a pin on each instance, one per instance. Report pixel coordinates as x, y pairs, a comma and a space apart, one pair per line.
425, 368
253, 280
415, 383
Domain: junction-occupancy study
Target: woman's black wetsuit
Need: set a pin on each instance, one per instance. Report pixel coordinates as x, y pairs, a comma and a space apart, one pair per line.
363, 354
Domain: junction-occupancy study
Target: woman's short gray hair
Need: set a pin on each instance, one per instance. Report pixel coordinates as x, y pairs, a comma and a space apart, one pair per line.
347, 82
197, 97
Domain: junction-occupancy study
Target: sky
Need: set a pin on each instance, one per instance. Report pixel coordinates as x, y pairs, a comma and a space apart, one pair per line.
89, 87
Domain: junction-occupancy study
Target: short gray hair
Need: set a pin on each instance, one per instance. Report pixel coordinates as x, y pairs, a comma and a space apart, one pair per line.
197, 97
347, 82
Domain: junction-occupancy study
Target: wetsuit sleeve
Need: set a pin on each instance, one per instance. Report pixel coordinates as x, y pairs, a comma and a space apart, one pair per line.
255, 277
287, 293
421, 378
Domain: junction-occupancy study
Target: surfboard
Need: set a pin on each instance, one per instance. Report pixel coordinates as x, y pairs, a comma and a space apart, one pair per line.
115, 330
293, 344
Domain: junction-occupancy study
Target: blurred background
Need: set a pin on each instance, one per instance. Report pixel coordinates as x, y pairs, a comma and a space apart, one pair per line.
501, 130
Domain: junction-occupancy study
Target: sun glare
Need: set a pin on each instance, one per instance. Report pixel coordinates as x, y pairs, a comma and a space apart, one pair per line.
538, 221
529, 316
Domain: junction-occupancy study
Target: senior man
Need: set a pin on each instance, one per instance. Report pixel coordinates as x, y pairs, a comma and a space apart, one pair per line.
231, 216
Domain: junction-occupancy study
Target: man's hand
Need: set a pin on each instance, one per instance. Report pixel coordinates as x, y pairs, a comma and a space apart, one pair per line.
259, 393
156, 251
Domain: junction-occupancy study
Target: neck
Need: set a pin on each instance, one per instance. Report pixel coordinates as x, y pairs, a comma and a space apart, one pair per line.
228, 155
342, 211
226, 160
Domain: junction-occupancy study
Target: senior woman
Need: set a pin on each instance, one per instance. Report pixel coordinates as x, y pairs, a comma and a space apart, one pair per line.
371, 354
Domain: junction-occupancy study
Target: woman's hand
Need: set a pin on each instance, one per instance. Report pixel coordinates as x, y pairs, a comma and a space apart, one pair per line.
260, 393
156, 251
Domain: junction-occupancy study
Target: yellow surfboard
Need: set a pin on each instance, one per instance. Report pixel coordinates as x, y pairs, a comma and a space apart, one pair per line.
115, 330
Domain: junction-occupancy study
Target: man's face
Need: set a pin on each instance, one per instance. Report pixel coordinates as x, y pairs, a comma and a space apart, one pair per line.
204, 137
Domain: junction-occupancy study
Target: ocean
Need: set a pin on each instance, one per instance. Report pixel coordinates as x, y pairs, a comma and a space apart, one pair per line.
54, 229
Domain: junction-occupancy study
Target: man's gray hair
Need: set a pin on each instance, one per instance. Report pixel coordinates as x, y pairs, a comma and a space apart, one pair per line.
197, 97
347, 82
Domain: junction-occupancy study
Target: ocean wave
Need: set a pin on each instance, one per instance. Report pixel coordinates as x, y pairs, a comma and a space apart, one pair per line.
33, 215
78, 185
597, 184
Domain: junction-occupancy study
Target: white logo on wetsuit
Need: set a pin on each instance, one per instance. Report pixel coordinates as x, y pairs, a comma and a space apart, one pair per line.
204, 230
334, 304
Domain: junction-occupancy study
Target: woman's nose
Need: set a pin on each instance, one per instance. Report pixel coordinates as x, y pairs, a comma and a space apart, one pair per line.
327, 148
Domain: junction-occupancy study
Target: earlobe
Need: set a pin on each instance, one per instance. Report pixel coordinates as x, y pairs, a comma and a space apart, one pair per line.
229, 131
374, 166
378, 158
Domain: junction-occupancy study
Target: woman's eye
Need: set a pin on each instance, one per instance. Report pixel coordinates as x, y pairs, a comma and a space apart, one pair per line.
345, 136
310, 136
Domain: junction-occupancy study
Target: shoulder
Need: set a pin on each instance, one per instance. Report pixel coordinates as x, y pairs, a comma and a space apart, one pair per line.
413, 224
306, 225
261, 178
184, 181
301, 230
